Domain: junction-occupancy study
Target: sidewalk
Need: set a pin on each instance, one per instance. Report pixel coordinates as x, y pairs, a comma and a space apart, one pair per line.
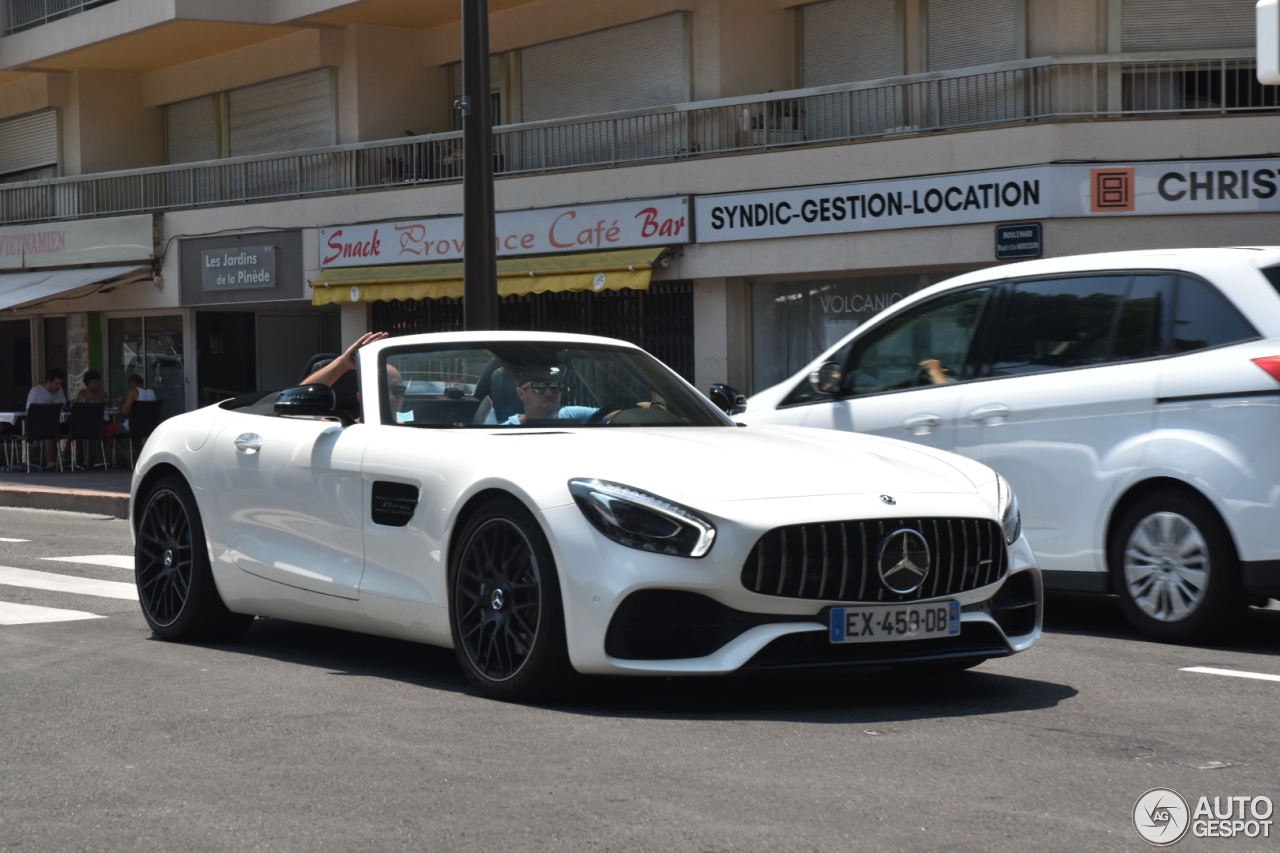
101, 492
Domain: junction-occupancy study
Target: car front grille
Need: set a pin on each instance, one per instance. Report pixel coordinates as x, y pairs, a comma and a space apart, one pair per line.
837, 560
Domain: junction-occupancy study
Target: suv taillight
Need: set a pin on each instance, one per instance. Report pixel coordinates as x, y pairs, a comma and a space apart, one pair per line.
1271, 364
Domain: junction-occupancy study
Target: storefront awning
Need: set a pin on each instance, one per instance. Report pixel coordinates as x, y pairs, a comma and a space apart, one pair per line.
516, 277
24, 288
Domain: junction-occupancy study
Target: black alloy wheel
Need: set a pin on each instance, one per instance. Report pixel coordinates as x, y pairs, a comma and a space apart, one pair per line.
171, 565
1174, 567
507, 618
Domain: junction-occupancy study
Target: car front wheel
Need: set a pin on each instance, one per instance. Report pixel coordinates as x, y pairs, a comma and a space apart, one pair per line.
1175, 569
505, 607
171, 565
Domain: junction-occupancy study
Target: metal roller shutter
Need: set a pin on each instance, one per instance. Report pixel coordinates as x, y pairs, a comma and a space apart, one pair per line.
29, 142
848, 40
636, 65
1187, 24
284, 115
963, 33
191, 130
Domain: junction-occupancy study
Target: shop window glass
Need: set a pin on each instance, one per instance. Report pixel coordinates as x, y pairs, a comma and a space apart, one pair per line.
1205, 318
151, 347
124, 337
1055, 324
795, 322
901, 354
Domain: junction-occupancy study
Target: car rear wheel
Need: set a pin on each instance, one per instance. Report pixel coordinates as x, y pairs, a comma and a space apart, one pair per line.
171, 565
506, 613
1175, 569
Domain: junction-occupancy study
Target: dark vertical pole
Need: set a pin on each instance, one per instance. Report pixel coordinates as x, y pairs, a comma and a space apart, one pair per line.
479, 260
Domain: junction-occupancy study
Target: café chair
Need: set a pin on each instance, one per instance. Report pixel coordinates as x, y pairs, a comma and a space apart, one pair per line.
144, 417
87, 424
41, 427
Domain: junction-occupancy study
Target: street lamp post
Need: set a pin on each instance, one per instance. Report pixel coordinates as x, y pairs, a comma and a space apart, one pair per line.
479, 259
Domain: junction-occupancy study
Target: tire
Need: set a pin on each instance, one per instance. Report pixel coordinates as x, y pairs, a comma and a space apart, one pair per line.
171, 567
1174, 566
504, 606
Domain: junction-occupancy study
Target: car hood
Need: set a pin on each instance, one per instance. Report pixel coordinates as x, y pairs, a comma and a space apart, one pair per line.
745, 463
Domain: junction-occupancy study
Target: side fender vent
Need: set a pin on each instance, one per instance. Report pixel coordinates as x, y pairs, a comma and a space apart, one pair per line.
394, 503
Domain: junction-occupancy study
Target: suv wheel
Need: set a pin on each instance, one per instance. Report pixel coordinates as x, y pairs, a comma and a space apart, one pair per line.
1175, 569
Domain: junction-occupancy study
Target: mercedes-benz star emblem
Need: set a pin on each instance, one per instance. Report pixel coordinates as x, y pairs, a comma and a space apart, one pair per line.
497, 599
888, 499
903, 561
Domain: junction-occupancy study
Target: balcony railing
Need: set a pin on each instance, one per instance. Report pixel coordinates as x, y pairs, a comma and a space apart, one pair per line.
25, 14
1048, 89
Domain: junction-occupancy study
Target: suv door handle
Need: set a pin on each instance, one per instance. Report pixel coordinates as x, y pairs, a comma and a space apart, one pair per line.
248, 443
922, 424
991, 414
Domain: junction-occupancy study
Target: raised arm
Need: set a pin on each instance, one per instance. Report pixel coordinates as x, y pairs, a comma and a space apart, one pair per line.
334, 370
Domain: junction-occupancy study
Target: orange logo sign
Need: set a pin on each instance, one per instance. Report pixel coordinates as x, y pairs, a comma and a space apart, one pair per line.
1111, 190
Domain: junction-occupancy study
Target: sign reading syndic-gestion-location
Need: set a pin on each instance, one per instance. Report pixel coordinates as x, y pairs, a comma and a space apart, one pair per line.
239, 268
582, 228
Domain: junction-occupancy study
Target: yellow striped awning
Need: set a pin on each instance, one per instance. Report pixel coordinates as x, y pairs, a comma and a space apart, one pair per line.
597, 271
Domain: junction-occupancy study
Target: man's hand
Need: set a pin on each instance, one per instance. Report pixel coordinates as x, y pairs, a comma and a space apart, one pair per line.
334, 370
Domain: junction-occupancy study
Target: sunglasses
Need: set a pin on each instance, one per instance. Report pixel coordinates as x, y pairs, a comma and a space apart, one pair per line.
395, 390
544, 387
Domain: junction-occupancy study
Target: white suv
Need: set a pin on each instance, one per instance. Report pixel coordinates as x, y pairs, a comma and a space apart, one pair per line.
1132, 400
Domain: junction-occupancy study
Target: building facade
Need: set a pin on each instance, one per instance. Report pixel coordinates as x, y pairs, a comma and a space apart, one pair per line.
208, 192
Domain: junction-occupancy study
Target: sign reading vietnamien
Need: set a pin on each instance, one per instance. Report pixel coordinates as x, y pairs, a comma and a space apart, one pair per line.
1051, 191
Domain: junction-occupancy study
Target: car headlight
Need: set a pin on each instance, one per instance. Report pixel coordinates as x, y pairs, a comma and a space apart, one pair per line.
1007, 505
642, 521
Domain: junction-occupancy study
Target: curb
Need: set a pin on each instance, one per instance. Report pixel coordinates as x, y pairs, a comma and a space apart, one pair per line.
69, 500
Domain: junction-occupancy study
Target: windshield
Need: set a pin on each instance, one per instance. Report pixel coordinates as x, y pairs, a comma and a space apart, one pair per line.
535, 384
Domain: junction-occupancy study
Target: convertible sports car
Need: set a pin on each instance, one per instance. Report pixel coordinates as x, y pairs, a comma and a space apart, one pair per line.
546, 504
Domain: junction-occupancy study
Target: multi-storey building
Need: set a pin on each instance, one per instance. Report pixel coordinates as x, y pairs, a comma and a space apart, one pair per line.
209, 191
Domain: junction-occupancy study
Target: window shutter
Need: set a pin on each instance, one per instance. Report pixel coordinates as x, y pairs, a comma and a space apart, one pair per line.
849, 40
644, 64
495, 75
29, 142
963, 33
191, 130
284, 115
1187, 24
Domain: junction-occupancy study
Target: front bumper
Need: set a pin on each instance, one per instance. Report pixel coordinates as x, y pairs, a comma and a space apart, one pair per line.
632, 612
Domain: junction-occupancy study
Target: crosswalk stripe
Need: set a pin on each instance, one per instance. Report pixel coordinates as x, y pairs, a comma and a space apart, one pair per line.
1234, 673
115, 561
29, 614
2, 539
10, 576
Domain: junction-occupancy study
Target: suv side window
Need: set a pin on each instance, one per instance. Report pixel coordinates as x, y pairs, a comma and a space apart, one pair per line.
925, 345
1144, 320
1204, 318
1053, 324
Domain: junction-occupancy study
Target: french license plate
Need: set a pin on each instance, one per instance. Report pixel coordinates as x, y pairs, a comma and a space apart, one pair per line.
884, 623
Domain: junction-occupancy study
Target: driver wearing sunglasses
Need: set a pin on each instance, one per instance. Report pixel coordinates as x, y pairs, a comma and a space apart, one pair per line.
539, 389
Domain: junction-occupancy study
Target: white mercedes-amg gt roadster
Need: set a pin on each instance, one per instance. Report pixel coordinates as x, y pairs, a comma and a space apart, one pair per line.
556, 504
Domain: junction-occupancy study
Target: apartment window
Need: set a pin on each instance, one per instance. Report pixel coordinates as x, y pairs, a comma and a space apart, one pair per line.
29, 147
495, 90
1186, 24
849, 40
287, 114
964, 33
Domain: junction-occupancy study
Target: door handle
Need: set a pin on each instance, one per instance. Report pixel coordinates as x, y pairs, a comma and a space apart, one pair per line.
248, 443
922, 424
991, 414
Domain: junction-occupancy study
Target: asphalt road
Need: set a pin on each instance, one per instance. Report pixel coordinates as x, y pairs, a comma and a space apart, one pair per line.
305, 739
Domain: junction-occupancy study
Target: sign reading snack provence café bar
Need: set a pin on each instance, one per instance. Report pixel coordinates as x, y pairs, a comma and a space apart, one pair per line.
1032, 192
587, 227
118, 239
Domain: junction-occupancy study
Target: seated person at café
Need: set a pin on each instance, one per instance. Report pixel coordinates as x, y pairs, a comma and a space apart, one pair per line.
51, 390
137, 391
92, 391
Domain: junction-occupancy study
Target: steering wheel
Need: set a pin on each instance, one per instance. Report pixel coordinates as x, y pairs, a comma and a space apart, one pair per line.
609, 408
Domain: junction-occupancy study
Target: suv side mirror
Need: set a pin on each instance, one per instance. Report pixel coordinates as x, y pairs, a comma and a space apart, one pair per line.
307, 401
826, 379
728, 399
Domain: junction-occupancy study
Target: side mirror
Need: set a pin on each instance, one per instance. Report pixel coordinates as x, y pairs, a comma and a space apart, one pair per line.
307, 401
728, 399
826, 379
